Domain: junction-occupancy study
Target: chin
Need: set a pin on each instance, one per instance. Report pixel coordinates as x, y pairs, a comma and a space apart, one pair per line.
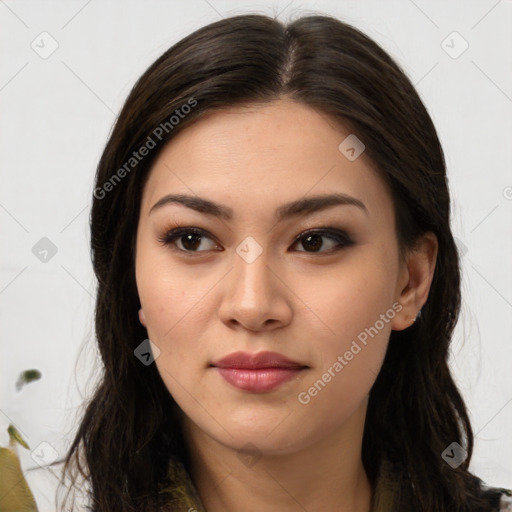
267, 441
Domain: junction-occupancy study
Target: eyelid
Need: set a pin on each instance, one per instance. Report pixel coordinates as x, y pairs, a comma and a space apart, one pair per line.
173, 234
337, 234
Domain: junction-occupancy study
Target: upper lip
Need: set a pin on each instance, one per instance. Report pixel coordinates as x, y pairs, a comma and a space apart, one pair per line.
247, 360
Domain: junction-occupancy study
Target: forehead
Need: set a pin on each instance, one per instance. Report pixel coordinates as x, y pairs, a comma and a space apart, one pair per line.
263, 155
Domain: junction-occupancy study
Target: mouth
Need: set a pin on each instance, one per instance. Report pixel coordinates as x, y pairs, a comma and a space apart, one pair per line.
258, 373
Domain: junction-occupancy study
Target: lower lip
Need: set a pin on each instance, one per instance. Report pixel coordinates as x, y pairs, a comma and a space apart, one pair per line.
258, 380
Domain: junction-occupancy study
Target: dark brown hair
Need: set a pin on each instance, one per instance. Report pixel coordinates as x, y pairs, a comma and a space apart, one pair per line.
131, 426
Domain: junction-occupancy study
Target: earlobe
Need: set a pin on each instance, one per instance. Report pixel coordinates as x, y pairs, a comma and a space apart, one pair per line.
142, 318
419, 272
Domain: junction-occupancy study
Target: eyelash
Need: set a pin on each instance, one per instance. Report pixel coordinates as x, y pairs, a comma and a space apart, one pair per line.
339, 236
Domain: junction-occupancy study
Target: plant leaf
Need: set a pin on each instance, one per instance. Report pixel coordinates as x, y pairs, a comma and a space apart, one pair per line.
15, 494
27, 377
15, 436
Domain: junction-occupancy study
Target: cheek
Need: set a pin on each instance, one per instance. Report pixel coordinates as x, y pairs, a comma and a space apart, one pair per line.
356, 309
350, 355
347, 300
167, 295
174, 304
350, 362
175, 325
175, 319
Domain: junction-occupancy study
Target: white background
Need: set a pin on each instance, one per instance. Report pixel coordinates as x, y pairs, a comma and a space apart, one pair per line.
57, 113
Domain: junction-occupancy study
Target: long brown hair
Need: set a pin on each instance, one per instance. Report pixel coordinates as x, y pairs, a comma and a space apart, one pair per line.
131, 426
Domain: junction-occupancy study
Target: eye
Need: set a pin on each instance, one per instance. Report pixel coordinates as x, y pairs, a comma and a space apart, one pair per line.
190, 240
312, 240
187, 239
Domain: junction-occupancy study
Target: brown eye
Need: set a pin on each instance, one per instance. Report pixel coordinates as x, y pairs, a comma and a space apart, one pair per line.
187, 239
323, 240
190, 242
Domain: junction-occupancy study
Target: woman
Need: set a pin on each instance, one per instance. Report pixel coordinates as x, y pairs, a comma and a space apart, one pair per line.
271, 211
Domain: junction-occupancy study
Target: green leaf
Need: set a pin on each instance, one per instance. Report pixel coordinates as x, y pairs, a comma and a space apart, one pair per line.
27, 377
15, 436
15, 494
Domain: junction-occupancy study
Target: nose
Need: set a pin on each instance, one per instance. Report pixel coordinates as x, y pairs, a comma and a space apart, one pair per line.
255, 296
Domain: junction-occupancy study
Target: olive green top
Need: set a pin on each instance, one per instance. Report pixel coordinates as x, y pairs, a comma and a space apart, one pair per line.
185, 497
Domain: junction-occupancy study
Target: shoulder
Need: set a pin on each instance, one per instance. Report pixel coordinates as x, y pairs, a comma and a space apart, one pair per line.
505, 500
502, 497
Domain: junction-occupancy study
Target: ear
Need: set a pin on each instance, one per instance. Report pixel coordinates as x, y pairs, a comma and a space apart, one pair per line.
142, 318
415, 277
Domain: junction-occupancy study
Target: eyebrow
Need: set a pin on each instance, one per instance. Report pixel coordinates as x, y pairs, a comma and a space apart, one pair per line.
296, 208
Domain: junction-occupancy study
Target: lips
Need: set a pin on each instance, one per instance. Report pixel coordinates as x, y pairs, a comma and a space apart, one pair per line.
244, 360
257, 373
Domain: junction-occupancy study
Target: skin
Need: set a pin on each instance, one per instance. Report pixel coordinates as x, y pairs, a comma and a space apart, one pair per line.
307, 304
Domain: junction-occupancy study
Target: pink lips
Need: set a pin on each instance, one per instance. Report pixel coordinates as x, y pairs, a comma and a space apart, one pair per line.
257, 373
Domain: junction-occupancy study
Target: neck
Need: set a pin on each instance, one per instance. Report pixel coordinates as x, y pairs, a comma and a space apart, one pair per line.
325, 475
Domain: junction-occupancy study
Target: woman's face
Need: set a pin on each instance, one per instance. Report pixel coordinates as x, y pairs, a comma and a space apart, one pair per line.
248, 275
